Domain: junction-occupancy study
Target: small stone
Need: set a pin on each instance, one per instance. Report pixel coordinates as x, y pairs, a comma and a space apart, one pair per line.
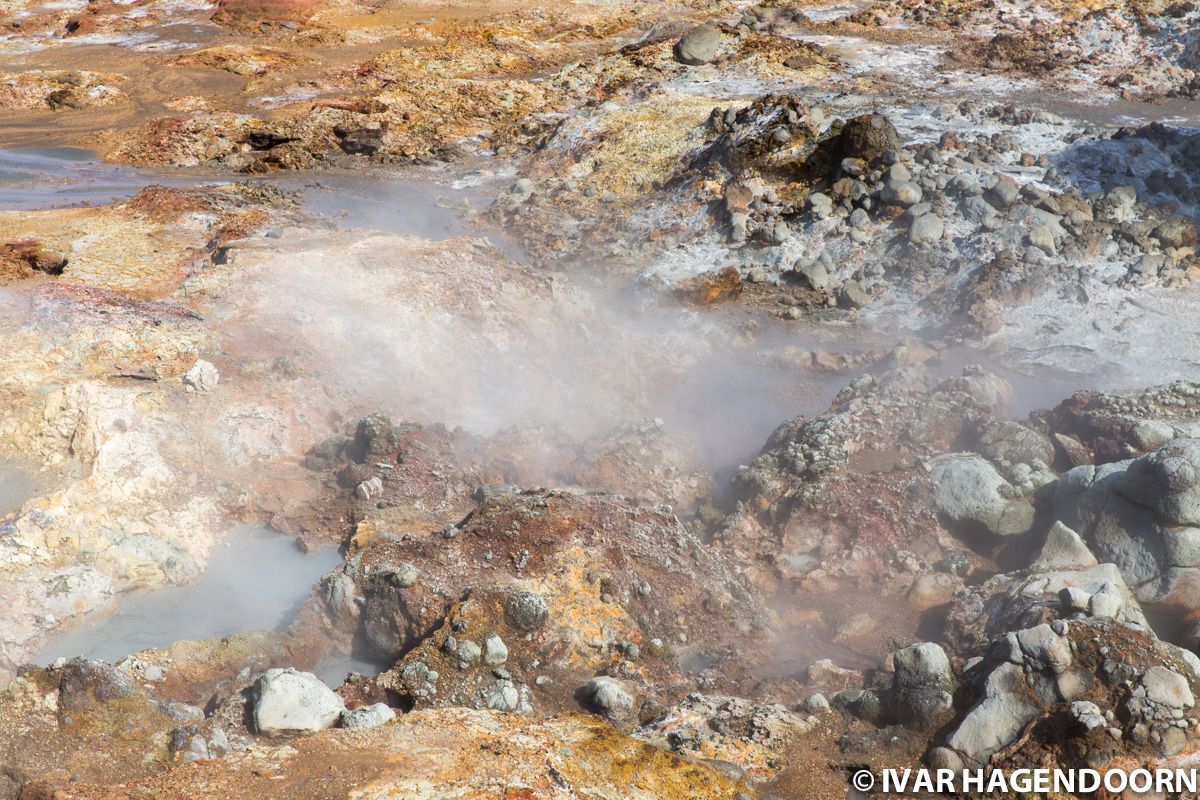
901, 193
494, 650
368, 717
609, 696
1041, 238
526, 611
853, 295
202, 377
698, 46
1088, 715
816, 703
1074, 599
1105, 603
1003, 193
815, 275
821, 205
468, 654
926, 228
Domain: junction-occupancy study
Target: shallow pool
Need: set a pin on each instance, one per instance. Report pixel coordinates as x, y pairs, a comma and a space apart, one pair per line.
256, 580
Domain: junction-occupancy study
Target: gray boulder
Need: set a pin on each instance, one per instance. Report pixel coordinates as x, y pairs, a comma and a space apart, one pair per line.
922, 685
970, 492
1167, 481
698, 46
994, 723
287, 703
526, 611
900, 193
1167, 688
1003, 193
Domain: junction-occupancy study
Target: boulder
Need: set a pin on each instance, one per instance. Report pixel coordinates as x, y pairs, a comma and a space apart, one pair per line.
970, 492
1167, 688
900, 193
288, 703
698, 46
1003, 193
1168, 482
867, 137
994, 723
526, 611
922, 685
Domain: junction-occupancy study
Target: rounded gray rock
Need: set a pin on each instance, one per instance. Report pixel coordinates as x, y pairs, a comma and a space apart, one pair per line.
698, 46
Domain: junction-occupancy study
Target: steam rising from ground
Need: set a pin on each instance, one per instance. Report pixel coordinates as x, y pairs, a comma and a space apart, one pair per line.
453, 332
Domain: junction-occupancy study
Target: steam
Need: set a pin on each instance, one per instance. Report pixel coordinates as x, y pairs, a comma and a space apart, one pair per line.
455, 333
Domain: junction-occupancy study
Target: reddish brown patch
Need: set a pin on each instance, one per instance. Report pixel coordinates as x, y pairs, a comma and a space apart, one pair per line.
711, 287
237, 12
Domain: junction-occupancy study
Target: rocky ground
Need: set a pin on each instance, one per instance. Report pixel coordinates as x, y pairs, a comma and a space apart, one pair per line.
783, 388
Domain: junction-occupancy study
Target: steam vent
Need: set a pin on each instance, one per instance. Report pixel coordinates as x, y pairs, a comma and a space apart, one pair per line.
599, 399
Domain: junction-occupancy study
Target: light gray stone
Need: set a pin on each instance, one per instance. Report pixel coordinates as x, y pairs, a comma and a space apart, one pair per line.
922, 685
1041, 238
699, 45
1063, 548
1003, 193
1167, 481
992, 724
609, 696
1088, 715
926, 228
900, 193
202, 377
494, 650
1167, 688
820, 204
370, 716
969, 491
287, 702
1107, 602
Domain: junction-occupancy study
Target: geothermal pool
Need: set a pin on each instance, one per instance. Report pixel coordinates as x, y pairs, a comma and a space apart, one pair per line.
255, 580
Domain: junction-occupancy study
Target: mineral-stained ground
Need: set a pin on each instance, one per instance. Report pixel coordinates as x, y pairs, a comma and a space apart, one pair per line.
697, 399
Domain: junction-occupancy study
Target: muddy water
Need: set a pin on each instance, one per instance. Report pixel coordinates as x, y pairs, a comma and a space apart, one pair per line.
417, 203
55, 177
255, 580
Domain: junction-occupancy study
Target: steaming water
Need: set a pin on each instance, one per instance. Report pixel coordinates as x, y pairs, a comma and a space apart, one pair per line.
255, 580
68, 176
